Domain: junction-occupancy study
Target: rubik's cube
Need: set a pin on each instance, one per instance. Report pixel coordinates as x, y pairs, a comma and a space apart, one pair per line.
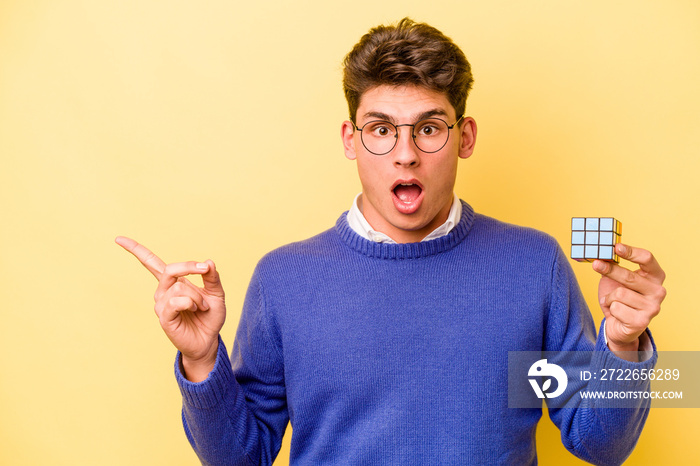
594, 238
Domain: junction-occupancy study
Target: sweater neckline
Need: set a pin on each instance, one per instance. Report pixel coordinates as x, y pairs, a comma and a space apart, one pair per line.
407, 250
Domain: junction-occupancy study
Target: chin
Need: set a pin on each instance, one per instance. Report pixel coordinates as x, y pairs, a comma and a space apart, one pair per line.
412, 224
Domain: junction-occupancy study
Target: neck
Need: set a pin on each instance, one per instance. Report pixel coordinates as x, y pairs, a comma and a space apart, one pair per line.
414, 250
401, 235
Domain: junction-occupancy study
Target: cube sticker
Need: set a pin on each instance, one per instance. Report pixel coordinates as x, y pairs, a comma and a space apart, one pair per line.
594, 238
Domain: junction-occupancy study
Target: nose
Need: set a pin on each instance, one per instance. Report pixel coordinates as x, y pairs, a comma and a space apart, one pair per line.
406, 152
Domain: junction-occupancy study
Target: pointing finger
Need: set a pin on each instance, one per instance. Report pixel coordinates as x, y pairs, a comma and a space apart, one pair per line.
149, 260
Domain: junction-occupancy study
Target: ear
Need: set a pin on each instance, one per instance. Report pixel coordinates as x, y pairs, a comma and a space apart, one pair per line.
468, 137
347, 134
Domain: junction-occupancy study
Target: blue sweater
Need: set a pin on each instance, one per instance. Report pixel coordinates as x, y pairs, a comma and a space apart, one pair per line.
398, 354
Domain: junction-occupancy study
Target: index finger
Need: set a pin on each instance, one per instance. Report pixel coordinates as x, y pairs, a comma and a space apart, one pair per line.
143, 254
645, 259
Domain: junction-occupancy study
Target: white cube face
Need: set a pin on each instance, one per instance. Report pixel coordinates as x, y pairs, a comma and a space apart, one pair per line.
578, 223
607, 238
591, 252
594, 238
591, 237
607, 224
592, 223
606, 252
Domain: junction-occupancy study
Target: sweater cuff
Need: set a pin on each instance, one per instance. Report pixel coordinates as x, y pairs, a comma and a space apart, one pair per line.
604, 358
646, 343
212, 390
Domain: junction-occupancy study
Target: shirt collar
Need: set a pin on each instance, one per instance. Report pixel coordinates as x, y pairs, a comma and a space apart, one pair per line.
361, 226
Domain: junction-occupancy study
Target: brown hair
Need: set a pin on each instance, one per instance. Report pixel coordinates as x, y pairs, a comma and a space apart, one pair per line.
407, 53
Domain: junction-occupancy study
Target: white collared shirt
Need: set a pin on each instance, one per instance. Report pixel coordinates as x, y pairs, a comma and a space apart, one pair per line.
361, 226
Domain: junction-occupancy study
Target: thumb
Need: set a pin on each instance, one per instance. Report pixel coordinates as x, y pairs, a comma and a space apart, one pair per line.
211, 281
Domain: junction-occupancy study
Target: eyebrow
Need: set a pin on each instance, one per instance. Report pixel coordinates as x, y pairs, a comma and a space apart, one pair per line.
419, 117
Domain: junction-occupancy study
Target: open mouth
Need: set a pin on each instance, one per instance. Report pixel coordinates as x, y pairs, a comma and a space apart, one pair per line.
408, 196
407, 192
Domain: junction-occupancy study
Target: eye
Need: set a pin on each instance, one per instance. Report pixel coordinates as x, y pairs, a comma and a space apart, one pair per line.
380, 129
428, 128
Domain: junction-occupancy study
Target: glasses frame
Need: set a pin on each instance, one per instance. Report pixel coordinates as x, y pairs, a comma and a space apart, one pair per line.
413, 135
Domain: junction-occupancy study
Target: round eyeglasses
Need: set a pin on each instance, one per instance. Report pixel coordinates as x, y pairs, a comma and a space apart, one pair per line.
430, 135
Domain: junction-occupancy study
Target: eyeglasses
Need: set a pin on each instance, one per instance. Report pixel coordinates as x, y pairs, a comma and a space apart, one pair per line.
430, 135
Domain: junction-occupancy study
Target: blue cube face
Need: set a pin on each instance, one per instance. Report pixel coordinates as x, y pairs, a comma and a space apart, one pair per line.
591, 237
591, 251
607, 224
592, 223
594, 238
606, 253
607, 238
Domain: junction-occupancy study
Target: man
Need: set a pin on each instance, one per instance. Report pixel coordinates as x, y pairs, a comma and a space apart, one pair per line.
385, 339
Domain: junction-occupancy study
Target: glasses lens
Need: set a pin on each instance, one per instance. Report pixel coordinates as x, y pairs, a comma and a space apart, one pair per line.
431, 135
379, 137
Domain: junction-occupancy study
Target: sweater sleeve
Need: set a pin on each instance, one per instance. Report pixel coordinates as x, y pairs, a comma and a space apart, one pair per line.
238, 415
595, 430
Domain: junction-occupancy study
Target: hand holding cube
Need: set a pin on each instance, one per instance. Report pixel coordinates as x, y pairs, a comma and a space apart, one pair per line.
629, 300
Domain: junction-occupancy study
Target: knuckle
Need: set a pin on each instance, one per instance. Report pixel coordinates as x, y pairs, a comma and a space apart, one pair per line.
177, 287
642, 321
629, 277
618, 294
182, 303
652, 309
169, 270
173, 302
149, 257
644, 256
661, 294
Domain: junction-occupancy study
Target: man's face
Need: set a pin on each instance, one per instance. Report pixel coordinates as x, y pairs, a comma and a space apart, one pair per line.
407, 193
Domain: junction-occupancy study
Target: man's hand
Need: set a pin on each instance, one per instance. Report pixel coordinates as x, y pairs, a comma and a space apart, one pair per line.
190, 316
629, 299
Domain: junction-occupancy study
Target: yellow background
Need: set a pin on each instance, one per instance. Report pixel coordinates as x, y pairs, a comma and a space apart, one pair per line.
211, 130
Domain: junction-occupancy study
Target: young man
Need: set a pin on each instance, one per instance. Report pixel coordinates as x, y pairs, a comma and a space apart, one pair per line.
385, 339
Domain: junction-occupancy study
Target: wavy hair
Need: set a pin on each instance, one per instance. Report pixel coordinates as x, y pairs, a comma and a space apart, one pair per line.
408, 53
